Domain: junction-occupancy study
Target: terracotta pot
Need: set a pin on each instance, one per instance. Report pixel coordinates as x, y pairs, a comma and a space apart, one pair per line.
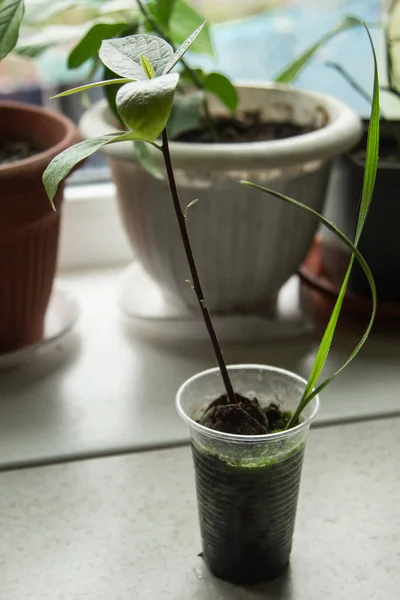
29, 228
320, 292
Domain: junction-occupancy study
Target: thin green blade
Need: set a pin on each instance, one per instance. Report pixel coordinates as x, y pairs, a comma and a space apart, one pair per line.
371, 166
291, 71
96, 84
176, 57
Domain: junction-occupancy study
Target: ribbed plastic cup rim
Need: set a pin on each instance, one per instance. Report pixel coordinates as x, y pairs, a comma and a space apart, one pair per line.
234, 437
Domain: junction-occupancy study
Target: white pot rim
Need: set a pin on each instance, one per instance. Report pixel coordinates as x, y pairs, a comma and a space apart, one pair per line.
245, 439
337, 137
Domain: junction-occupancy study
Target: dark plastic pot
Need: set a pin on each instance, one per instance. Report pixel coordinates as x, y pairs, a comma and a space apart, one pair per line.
29, 228
380, 242
247, 486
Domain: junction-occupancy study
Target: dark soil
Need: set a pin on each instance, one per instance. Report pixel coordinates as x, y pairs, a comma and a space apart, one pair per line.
245, 417
12, 151
248, 129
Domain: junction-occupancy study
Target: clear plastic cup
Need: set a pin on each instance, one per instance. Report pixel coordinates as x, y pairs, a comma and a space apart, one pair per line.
247, 486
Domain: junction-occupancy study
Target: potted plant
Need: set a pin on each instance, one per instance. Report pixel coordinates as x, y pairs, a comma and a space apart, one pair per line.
30, 137
248, 423
270, 133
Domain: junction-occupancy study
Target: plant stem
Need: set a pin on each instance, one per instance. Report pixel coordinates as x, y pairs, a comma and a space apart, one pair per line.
193, 270
191, 72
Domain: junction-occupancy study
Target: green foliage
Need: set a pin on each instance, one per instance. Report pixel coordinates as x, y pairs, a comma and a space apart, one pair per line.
96, 84
144, 106
182, 49
62, 165
292, 71
222, 87
89, 46
371, 165
122, 56
110, 91
186, 113
147, 67
144, 157
162, 10
184, 20
11, 13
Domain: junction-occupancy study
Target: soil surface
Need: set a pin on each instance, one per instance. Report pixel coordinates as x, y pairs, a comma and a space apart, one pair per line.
245, 417
12, 151
248, 129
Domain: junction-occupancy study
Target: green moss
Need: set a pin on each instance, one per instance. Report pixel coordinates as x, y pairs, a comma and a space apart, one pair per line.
281, 423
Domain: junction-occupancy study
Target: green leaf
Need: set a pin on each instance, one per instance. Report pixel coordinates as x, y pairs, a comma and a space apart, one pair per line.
32, 50
110, 91
146, 160
290, 72
63, 163
123, 55
182, 49
96, 84
89, 45
145, 105
350, 80
186, 113
162, 10
183, 21
371, 165
11, 13
222, 87
147, 67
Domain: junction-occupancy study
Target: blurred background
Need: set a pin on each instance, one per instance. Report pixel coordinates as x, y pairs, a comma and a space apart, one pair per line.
253, 39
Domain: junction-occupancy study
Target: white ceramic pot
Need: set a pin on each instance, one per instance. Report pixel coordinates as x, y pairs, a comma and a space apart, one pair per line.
246, 244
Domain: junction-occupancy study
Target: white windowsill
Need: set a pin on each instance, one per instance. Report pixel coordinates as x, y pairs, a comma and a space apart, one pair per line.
91, 233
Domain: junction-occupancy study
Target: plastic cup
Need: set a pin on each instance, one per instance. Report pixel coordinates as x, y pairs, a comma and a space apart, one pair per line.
247, 486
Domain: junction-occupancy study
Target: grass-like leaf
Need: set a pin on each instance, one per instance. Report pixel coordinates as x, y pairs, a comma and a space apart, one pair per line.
96, 84
371, 165
176, 57
291, 71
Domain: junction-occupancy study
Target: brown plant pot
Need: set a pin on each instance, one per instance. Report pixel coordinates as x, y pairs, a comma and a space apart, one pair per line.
320, 293
29, 228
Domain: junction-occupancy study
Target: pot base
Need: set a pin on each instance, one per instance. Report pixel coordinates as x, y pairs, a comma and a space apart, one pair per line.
62, 313
15, 340
156, 316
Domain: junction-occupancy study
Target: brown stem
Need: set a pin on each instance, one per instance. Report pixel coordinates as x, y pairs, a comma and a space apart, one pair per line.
191, 72
193, 270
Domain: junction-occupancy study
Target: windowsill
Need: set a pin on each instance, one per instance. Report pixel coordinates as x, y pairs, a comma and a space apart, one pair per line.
92, 233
